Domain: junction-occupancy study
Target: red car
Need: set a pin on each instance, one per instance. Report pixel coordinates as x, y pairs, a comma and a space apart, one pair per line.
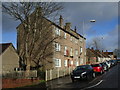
98, 68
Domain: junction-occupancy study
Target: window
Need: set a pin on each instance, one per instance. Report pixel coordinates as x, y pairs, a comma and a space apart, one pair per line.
81, 61
80, 39
57, 47
65, 50
65, 35
71, 52
76, 41
80, 49
65, 63
77, 63
57, 31
35, 27
71, 62
71, 38
76, 52
57, 62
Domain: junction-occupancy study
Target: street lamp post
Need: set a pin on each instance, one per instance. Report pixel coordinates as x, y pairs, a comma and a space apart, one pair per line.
84, 25
84, 28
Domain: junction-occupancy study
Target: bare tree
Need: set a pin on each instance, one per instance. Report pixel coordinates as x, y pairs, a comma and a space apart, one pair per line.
97, 45
35, 35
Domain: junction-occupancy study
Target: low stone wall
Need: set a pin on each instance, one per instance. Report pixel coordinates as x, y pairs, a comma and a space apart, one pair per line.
13, 83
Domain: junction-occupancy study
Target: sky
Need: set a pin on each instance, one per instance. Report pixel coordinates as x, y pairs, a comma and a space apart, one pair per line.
80, 14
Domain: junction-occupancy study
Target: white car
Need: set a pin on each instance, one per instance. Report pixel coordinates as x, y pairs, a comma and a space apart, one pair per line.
108, 64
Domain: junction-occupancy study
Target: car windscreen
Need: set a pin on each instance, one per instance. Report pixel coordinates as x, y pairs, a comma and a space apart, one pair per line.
95, 65
102, 63
81, 68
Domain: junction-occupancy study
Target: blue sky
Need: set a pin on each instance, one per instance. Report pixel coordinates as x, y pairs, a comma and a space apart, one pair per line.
105, 14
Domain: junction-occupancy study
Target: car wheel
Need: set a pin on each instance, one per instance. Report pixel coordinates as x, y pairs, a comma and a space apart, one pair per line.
87, 77
93, 75
101, 72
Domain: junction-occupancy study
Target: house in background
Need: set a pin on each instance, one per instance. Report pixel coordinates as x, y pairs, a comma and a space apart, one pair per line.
90, 56
9, 56
94, 56
116, 53
110, 54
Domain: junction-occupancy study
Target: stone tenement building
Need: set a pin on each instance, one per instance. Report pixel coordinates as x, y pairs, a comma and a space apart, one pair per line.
68, 50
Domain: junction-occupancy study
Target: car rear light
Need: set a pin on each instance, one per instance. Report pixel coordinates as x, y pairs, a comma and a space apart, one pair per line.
98, 67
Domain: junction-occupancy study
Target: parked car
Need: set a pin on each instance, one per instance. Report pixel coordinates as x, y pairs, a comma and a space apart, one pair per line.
115, 61
118, 60
105, 66
82, 72
98, 68
112, 62
107, 63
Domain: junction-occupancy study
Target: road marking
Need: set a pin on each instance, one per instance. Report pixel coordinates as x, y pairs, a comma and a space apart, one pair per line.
93, 80
93, 85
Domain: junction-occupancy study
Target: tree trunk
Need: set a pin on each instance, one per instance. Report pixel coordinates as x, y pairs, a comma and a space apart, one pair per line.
28, 63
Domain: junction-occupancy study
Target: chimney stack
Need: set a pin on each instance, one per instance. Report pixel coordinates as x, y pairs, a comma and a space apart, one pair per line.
68, 26
75, 29
61, 21
92, 48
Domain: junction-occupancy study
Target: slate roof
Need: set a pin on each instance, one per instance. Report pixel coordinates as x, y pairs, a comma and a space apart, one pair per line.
4, 46
71, 31
98, 53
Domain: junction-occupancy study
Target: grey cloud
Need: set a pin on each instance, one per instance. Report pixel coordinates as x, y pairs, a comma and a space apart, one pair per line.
100, 11
8, 23
111, 39
108, 41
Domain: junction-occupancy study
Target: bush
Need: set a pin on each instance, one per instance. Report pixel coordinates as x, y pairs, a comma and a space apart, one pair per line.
41, 74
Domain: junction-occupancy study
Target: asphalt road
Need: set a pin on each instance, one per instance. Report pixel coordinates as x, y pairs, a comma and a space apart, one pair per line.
110, 79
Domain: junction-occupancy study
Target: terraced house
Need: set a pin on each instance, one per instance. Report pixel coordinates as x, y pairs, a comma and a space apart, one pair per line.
68, 49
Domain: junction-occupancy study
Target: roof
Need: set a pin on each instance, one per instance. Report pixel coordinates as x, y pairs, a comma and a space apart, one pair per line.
95, 52
4, 46
108, 53
71, 32
98, 53
90, 52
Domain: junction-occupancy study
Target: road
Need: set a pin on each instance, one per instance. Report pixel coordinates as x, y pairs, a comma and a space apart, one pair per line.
110, 79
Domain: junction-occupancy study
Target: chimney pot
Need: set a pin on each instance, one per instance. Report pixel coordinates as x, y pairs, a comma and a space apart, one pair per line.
92, 48
75, 29
68, 26
61, 21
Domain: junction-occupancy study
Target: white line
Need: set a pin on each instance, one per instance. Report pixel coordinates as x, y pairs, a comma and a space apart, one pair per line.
93, 80
93, 85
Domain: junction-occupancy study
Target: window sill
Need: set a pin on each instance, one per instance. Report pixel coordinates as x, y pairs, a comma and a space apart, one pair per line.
66, 55
71, 56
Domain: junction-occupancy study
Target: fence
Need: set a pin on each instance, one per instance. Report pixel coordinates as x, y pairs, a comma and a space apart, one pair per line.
19, 74
56, 73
